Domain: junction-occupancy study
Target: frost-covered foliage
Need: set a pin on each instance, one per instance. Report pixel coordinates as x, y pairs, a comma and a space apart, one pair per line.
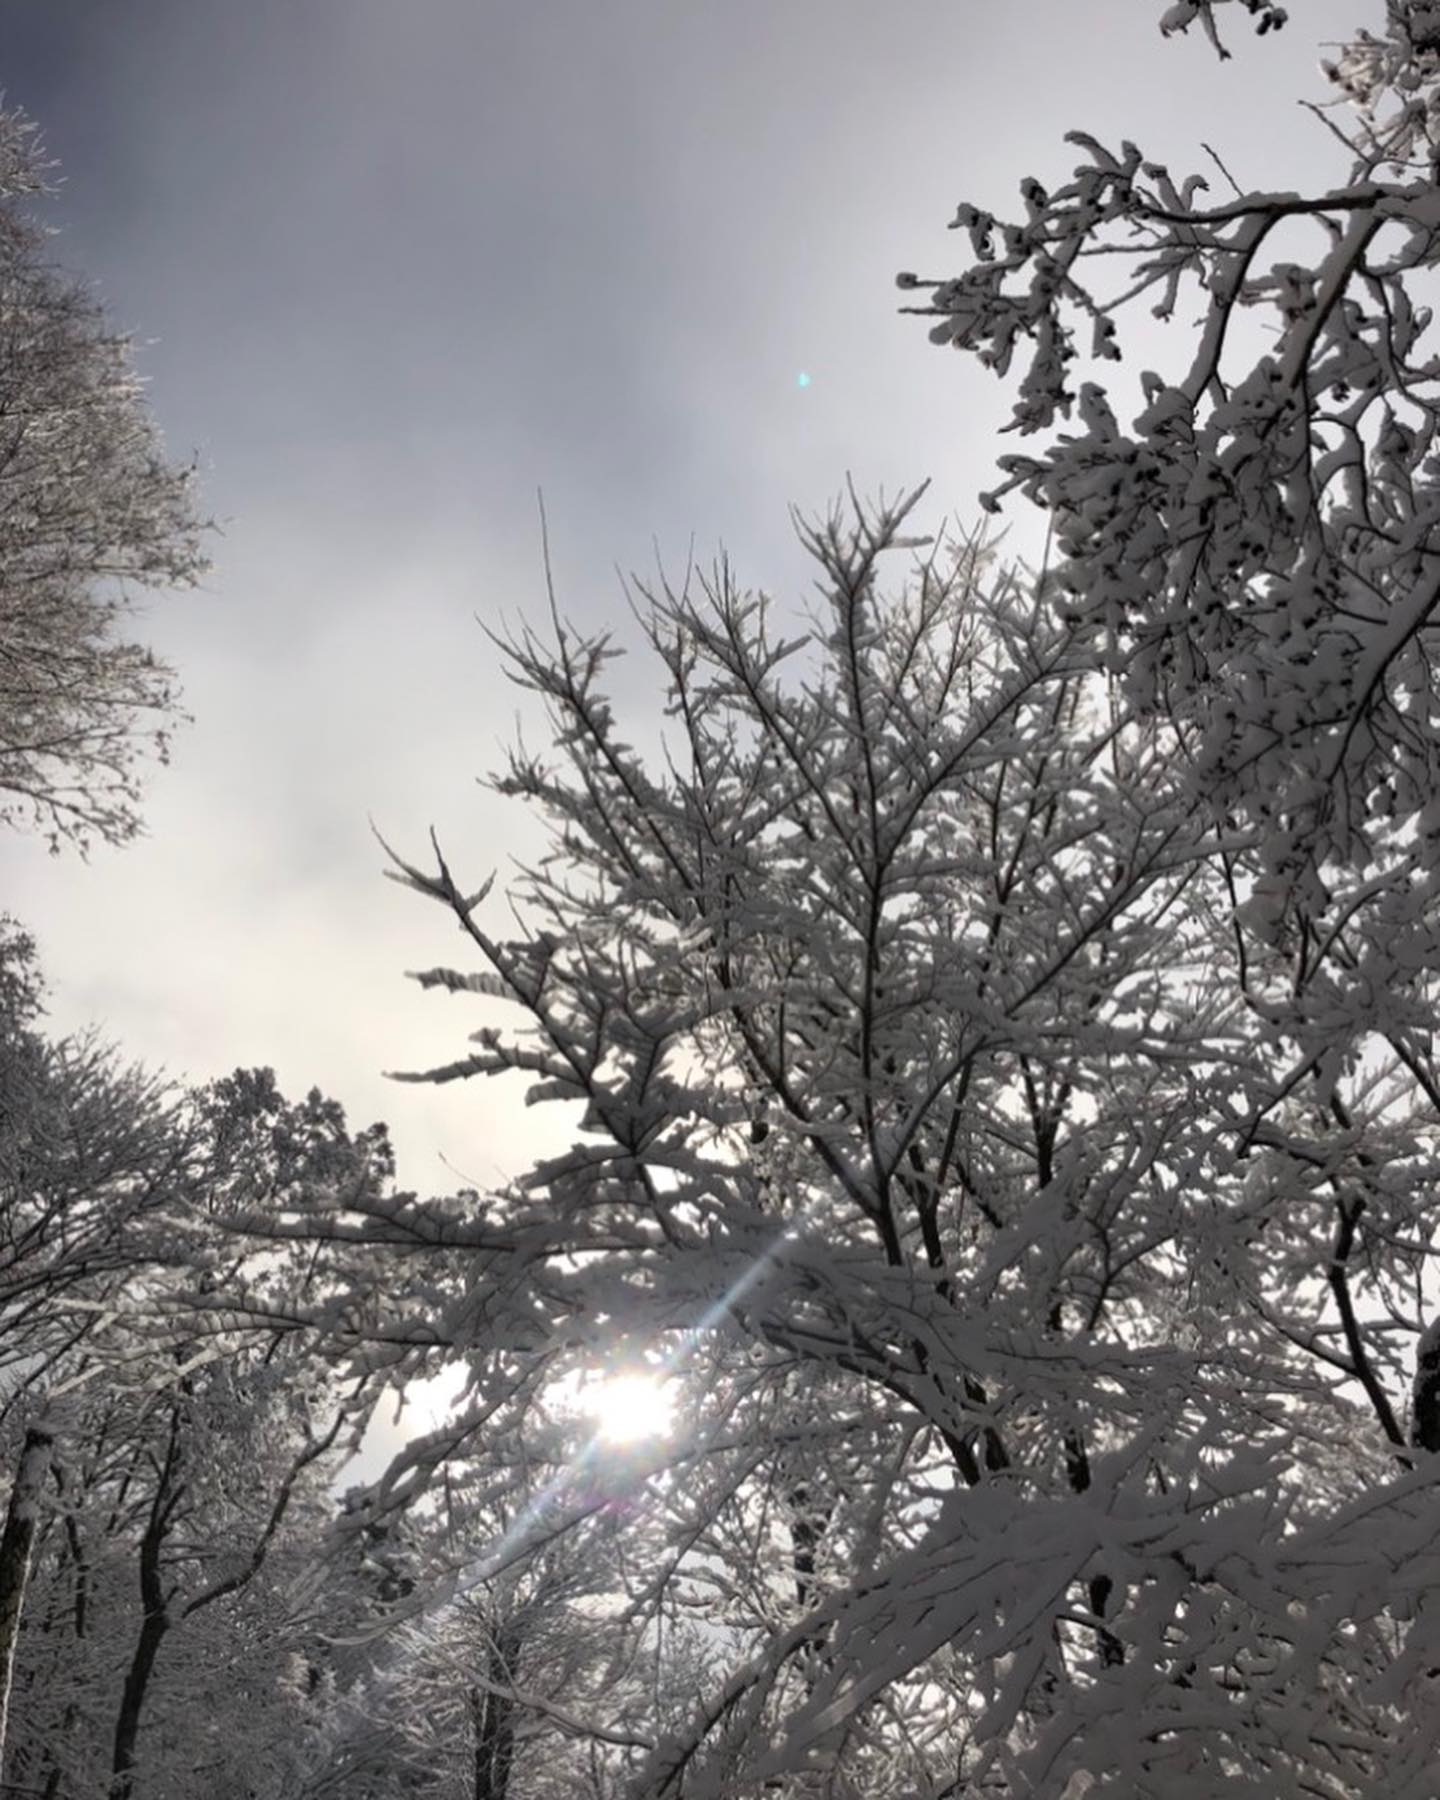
530, 1686
90, 1152
186, 1445
1036, 1200
1184, 13
90, 513
1257, 548
160, 1619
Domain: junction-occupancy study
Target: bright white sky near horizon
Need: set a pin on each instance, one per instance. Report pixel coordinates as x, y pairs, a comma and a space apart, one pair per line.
394, 264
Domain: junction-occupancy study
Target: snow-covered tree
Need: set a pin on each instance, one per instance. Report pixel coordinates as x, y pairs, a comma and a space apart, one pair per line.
90, 515
159, 1630
1256, 551
91, 1152
166, 1429
537, 1684
1035, 1209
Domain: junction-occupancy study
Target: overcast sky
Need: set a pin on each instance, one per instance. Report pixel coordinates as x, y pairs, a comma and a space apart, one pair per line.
394, 264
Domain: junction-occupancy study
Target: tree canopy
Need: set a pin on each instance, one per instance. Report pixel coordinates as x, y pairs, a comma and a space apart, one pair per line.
1047, 1271
1001, 1019
91, 514
990, 1019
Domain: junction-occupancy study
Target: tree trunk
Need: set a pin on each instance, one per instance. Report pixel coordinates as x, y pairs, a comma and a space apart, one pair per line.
132, 1703
493, 1716
15, 1548
155, 1619
480, 1705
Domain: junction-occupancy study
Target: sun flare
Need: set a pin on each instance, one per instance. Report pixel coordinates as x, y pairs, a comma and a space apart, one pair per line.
629, 1407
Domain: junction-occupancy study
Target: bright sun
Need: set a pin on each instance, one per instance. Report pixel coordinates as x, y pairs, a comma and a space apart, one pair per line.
629, 1407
